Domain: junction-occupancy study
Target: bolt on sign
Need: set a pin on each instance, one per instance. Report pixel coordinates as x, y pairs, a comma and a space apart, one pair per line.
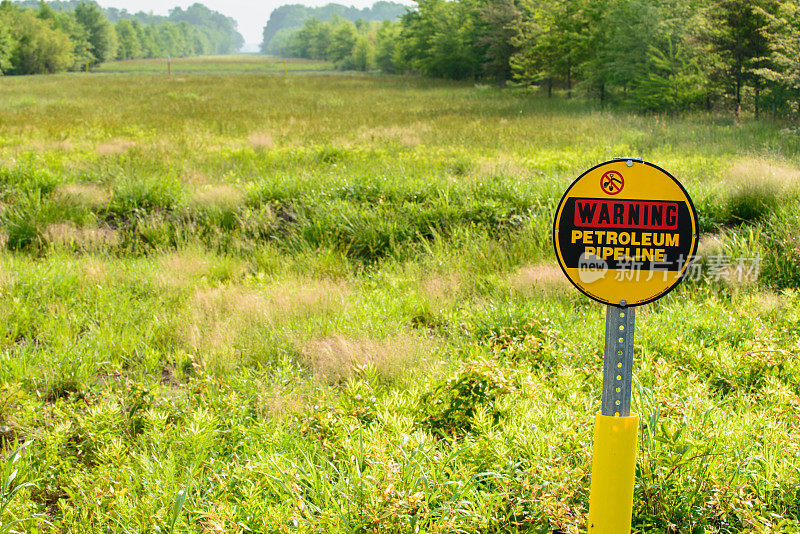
625, 230
625, 233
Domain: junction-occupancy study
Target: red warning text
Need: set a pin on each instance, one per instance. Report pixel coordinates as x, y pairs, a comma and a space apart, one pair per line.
636, 214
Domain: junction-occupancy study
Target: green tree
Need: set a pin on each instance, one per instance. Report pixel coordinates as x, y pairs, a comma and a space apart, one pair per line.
129, 46
672, 78
213, 32
46, 12
618, 45
343, 41
170, 39
288, 18
148, 37
101, 36
386, 54
782, 72
497, 32
79, 37
319, 36
38, 46
363, 56
7, 45
738, 31
554, 42
440, 39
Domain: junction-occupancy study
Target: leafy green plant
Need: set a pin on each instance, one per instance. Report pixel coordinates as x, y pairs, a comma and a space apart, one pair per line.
449, 407
177, 506
11, 486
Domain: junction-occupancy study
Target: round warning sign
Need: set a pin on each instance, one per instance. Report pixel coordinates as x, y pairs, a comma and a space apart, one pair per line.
625, 231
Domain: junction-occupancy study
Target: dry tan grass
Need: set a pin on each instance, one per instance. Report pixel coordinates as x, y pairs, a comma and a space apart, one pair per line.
336, 358
261, 140
769, 302
116, 146
85, 195
441, 287
180, 268
194, 177
67, 235
539, 277
760, 170
501, 164
409, 136
94, 270
47, 146
710, 245
7, 278
64, 146
220, 517
284, 403
290, 297
186, 267
222, 315
218, 197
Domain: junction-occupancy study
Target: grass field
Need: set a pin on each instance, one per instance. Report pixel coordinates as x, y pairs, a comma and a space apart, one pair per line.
234, 64
268, 303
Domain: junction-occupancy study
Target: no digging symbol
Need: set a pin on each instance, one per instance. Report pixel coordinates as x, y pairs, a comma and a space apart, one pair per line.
612, 182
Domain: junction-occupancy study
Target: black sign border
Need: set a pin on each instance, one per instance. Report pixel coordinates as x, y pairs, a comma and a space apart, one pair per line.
691, 206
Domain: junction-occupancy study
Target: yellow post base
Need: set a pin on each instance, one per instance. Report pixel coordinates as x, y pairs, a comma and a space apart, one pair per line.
613, 471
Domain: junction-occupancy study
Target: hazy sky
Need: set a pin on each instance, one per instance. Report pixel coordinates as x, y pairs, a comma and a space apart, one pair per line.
251, 15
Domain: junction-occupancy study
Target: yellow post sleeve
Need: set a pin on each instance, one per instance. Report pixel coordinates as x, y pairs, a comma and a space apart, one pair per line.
613, 471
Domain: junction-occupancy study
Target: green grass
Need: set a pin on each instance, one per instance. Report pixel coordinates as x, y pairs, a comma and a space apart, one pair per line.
259, 303
220, 65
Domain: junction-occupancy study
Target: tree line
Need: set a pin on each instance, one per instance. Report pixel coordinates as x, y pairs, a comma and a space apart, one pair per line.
288, 18
661, 55
42, 37
349, 45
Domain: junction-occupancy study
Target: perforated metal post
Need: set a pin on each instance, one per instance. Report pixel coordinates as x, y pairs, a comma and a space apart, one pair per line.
615, 431
618, 361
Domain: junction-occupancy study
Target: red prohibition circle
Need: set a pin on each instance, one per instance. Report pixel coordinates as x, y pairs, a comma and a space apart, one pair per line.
612, 183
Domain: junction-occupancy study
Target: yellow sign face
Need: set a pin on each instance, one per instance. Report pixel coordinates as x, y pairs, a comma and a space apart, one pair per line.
625, 232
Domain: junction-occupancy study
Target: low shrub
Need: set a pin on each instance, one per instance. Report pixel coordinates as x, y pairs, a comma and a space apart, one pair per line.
449, 408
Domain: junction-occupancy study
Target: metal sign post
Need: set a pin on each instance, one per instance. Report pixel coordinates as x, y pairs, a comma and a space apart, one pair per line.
618, 361
624, 234
616, 430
